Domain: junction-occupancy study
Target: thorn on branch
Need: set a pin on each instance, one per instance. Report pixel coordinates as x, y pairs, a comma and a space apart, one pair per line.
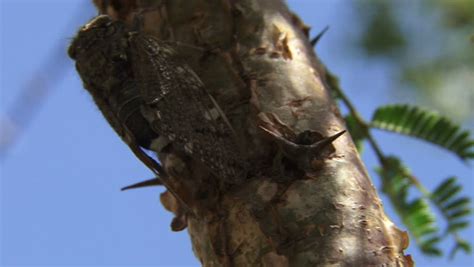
147, 183
316, 39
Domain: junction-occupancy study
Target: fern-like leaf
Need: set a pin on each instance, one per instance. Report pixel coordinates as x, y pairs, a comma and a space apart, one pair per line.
415, 214
461, 244
455, 211
426, 125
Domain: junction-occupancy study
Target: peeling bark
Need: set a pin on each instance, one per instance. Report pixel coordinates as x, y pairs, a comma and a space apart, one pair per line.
319, 209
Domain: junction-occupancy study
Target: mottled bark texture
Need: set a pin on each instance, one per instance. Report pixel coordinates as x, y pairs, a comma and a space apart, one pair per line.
297, 207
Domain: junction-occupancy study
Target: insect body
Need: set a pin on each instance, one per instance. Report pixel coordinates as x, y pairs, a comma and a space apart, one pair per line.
144, 91
100, 51
178, 106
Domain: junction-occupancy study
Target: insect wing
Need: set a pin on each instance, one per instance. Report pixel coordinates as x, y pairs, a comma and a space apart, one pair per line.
178, 106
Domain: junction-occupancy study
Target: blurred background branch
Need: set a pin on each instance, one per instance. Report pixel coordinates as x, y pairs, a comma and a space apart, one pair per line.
15, 117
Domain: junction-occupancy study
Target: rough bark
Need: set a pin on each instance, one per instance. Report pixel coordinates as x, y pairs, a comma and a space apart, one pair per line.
255, 59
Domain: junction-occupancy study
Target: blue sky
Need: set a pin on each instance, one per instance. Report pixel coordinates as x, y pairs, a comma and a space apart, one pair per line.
59, 185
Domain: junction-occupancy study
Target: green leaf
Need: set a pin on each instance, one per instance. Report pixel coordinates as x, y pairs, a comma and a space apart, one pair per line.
448, 194
458, 214
426, 125
443, 187
431, 251
461, 244
464, 245
454, 209
457, 226
445, 197
415, 214
429, 246
457, 204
